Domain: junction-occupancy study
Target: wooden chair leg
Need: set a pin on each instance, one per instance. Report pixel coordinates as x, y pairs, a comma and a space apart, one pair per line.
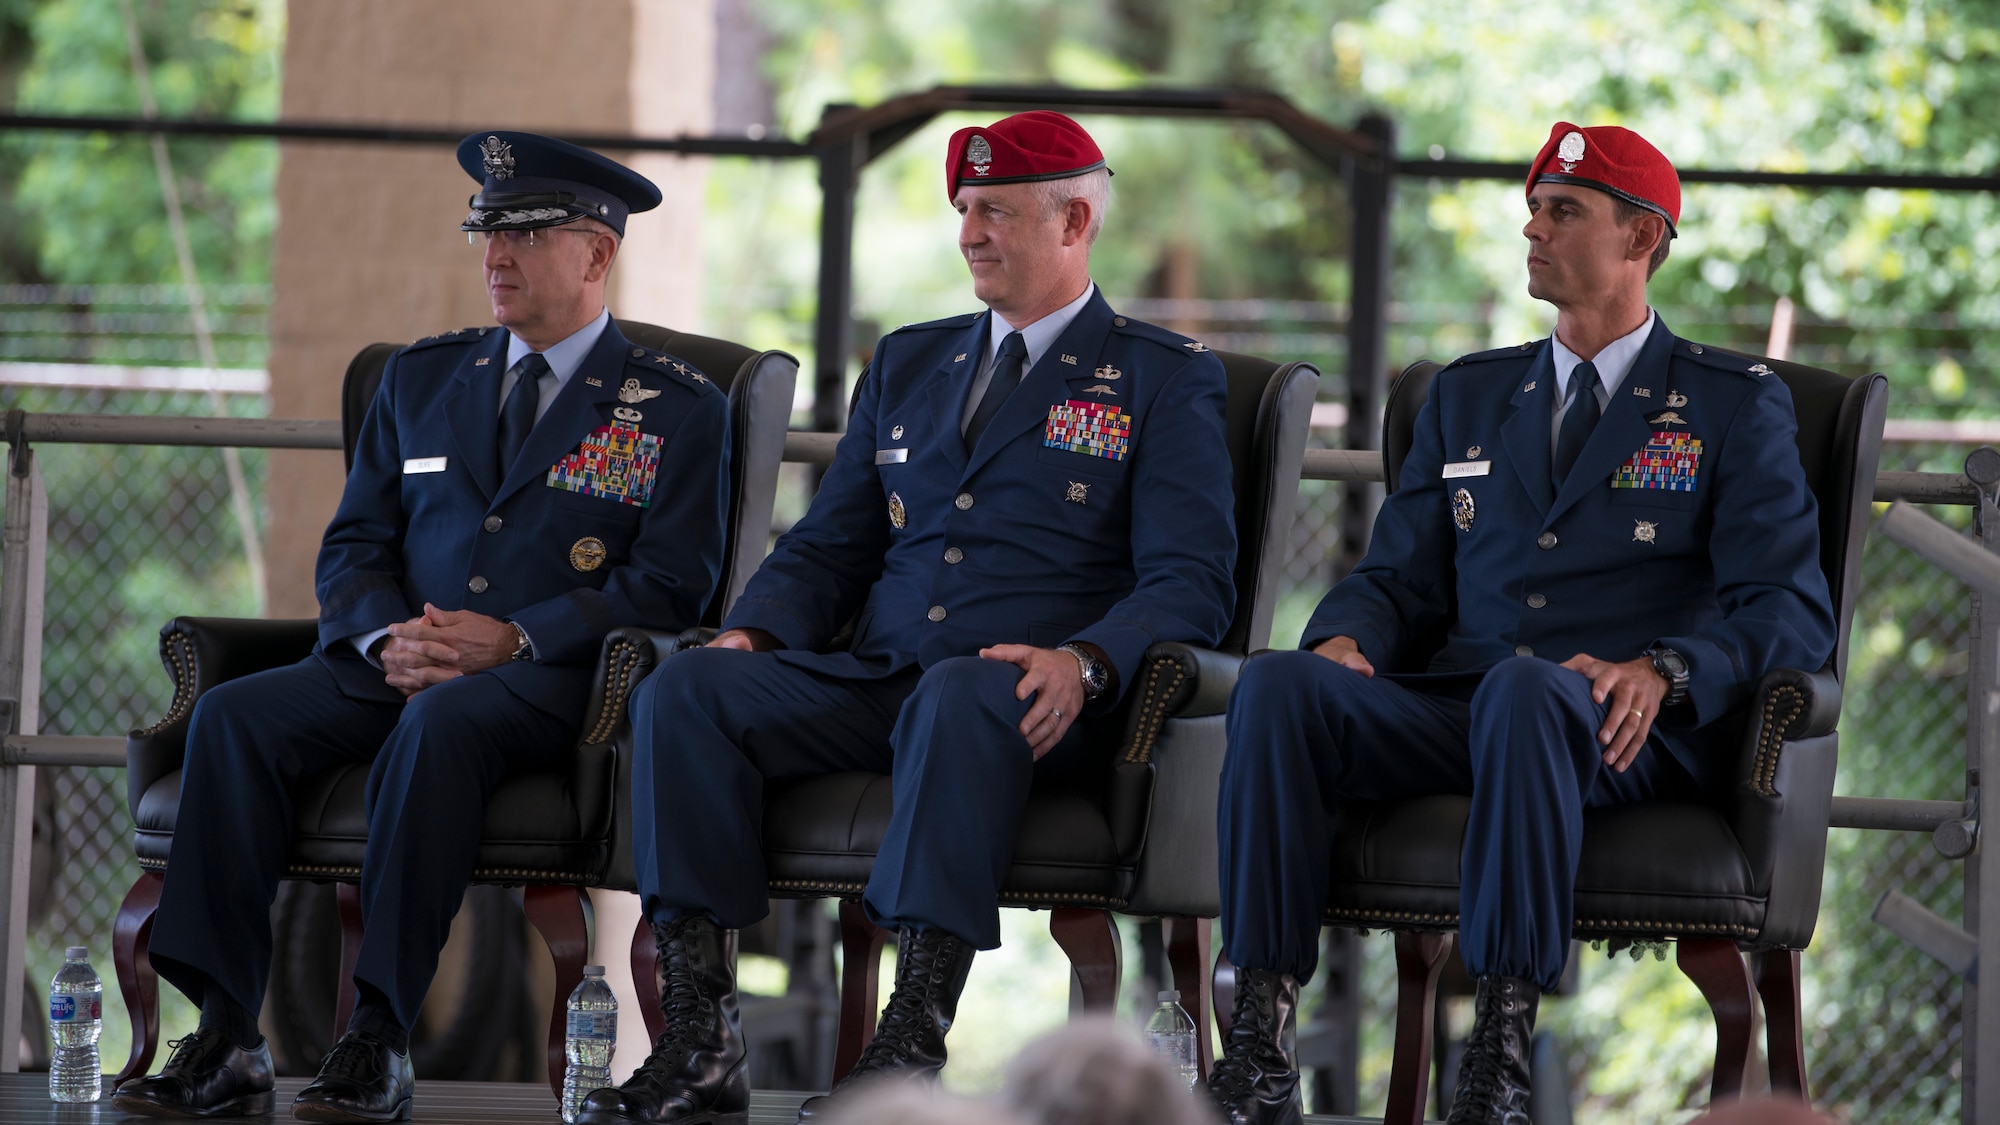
860, 984
137, 982
1090, 938
1777, 972
1419, 960
1717, 968
557, 914
1222, 993
348, 898
646, 977
1188, 954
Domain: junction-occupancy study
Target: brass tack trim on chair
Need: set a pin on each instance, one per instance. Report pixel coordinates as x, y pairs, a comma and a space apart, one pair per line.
1771, 737
1067, 898
1622, 927
321, 871
533, 875
1388, 918
177, 653
831, 887
1152, 708
624, 658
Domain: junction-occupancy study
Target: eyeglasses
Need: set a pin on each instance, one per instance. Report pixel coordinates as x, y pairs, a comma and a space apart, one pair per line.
519, 237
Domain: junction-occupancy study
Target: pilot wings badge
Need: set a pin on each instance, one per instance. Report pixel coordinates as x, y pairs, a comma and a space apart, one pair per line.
633, 392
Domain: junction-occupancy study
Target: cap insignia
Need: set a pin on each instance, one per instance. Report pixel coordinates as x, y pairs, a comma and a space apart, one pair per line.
633, 392
980, 154
1570, 151
499, 158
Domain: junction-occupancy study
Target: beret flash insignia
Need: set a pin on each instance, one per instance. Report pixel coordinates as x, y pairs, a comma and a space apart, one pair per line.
980, 154
1570, 152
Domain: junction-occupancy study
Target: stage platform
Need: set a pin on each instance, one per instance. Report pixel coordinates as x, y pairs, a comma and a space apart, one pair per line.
24, 1100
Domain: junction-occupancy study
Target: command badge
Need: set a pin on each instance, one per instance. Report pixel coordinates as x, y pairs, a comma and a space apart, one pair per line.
897, 516
498, 156
1645, 531
1462, 509
1570, 152
1079, 492
587, 553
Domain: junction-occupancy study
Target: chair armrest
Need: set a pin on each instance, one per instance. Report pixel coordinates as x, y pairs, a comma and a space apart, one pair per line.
1790, 705
199, 653
630, 655
1176, 681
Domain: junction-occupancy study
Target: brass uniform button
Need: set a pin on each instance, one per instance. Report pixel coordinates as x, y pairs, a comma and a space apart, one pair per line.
1547, 541
1118, 322
493, 523
477, 585
936, 613
963, 502
1536, 601
953, 554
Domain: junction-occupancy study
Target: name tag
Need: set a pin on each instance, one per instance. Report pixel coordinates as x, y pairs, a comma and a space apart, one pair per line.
891, 456
1467, 469
423, 465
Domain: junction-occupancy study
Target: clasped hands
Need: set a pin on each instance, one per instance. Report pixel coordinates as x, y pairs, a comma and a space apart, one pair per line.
1633, 690
1054, 678
443, 644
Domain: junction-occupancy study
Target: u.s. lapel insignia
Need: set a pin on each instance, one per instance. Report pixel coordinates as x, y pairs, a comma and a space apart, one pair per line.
592, 381
1099, 389
896, 433
1667, 419
1472, 453
627, 414
482, 361
1529, 387
1642, 392
1069, 359
633, 392
1462, 509
897, 515
587, 553
959, 358
1645, 531
1109, 373
1079, 493
1676, 399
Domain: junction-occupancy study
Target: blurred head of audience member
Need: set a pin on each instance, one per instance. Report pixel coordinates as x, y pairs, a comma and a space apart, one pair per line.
1096, 1072
905, 1103
1763, 1111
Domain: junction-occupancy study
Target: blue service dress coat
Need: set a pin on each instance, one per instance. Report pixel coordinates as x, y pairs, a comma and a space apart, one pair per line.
604, 520
1096, 508
1686, 521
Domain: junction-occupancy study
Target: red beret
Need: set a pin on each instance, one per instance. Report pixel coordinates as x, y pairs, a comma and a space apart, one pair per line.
1613, 160
1038, 145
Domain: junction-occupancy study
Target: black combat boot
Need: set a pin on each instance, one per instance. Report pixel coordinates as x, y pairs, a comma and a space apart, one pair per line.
1256, 1081
207, 1076
696, 1073
1493, 1073
931, 966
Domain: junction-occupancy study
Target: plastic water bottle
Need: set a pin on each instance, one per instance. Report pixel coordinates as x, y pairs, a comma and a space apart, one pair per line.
76, 1018
1170, 1033
593, 1033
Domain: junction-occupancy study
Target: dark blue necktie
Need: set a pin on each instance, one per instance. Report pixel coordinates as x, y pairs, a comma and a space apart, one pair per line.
1579, 421
517, 417
1006, 376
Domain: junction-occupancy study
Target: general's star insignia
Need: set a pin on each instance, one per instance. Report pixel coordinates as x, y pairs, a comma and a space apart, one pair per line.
633, 392
1078, 492
1645, 531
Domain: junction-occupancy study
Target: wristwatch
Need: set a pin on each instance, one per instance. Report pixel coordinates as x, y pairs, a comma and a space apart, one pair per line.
524, 650
1673, 668
1096, 677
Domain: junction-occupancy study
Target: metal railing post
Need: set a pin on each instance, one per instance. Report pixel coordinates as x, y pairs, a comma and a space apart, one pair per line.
1980, 1101
21, 588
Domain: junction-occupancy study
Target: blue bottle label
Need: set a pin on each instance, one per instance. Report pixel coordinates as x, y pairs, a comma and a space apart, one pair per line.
75, 1007
593, 1025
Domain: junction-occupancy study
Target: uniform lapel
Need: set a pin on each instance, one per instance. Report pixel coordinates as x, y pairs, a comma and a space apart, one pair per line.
472, 411
949, 386
1028, 406
1525, 433
1624, 428
579, 409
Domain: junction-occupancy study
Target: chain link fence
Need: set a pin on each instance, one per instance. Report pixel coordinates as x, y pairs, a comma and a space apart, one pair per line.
138, 535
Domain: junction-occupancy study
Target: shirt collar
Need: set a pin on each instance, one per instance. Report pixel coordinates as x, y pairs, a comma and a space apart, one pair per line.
1613, 363
1040, 335
567, 355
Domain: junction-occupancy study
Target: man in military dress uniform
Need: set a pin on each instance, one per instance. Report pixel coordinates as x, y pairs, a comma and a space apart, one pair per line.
516, 493
1611, 533
1024, 501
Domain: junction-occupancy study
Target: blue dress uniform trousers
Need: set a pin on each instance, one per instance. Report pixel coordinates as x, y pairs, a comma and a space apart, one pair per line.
435, 760
1306, 733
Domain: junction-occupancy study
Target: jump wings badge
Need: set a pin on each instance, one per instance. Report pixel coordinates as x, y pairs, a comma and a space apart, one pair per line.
897, 516
1462, 509
980, 154
498, 156
1676, 399
1570, 152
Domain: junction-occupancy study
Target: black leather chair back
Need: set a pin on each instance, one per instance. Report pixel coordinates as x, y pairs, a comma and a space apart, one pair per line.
1266, 484
758, 409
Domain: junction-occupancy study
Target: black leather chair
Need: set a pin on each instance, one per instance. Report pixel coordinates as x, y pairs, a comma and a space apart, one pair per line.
1146, 847
553, 835
1721, 879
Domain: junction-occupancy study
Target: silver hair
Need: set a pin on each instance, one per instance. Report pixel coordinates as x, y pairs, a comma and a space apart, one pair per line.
1095, 1072
1093, 188
898, 1103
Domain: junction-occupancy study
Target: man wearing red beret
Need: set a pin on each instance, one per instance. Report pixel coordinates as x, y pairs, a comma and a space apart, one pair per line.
1025, 500
1602, 541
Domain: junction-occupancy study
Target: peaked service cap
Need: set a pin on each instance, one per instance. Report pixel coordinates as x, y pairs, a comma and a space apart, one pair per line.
528, 181
1612, 160
1038, 145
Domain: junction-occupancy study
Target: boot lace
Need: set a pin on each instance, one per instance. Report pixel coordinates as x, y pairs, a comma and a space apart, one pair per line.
907, 1016
686, 1004
1249, 1050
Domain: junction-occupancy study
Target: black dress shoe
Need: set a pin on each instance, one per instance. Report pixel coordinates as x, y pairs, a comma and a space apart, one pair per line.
1256, 1081
931, 966
362, 1079
206, 1076
1492, 1086
696, 1074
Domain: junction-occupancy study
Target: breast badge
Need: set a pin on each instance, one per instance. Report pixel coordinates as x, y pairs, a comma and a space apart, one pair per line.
616, 462
633, 392
1100, 429
897, 516
1676, 400
1462, 509
896, 433
1668, 419
1645, 531
1109, 373
1671, 461
587, 553
1098, 389
1472, 453
1079, 493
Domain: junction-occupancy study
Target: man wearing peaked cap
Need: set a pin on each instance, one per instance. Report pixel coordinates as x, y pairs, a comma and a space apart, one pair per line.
1600, 542
1024, 501
516, 493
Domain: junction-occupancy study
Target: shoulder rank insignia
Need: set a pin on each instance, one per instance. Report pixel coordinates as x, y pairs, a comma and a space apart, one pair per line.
1195, 346
1759, 369
633, 392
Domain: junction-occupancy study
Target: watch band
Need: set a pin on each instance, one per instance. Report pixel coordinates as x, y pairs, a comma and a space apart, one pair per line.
1089, 668
1672, 667
526, 649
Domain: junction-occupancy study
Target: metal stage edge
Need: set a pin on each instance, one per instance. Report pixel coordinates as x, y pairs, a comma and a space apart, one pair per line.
24, 1100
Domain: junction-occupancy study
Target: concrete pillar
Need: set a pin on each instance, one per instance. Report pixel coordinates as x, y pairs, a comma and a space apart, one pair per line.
367, 245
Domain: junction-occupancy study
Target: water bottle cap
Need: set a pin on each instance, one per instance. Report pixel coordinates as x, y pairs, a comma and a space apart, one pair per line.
593, 970
77, 953
1170, 997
